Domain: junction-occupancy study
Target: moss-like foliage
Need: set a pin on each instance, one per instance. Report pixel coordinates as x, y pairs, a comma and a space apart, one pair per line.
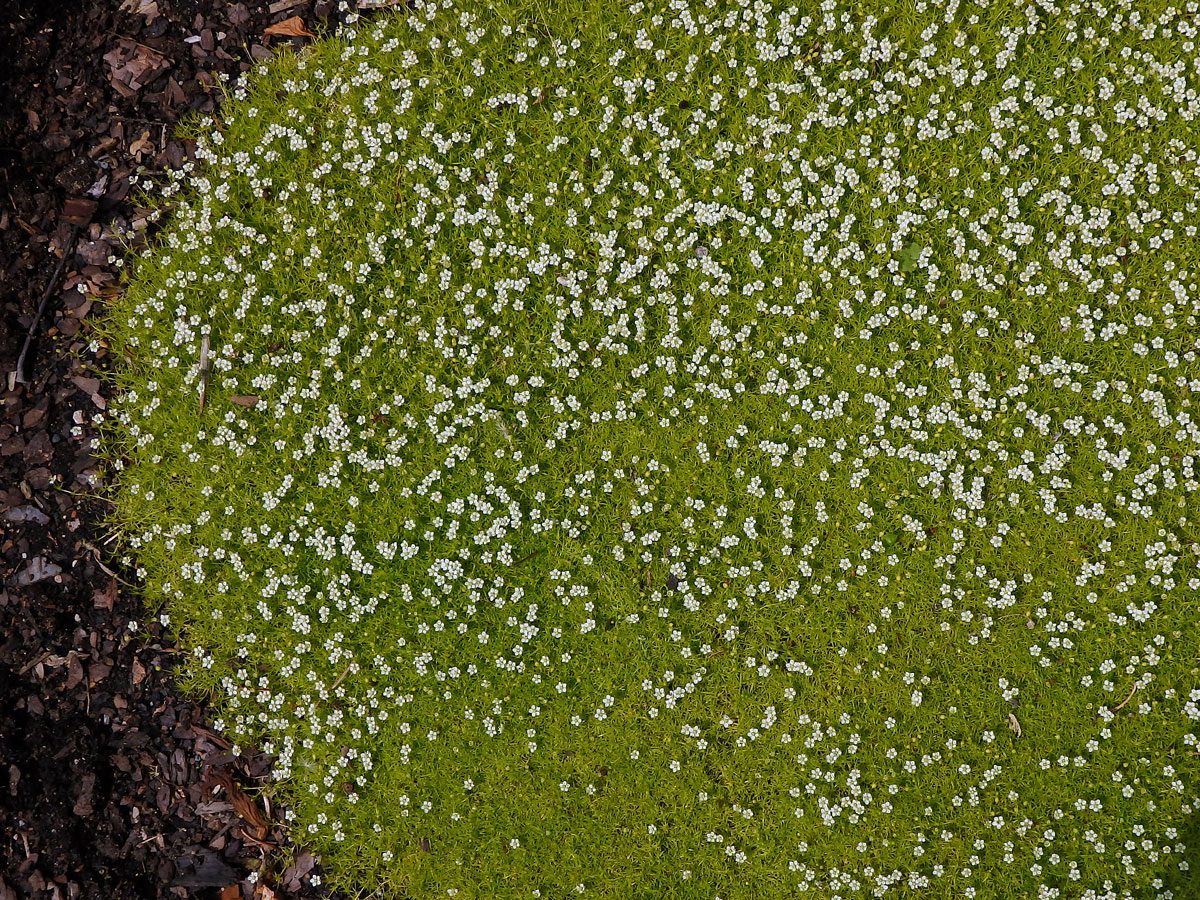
693, 450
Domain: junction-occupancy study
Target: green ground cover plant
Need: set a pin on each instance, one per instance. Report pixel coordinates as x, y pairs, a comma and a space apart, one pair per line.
692, 449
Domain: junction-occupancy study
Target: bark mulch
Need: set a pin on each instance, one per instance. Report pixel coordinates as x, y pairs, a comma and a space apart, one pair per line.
112, 786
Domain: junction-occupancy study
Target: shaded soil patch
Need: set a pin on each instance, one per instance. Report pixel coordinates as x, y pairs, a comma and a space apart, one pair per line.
111, 785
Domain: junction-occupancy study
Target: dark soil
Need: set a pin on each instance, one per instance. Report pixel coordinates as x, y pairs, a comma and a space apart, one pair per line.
112, 785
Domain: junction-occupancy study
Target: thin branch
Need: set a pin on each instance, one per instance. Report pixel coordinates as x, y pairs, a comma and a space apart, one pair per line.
341, 678
203, 369
524, 558
22, 361
1127, 699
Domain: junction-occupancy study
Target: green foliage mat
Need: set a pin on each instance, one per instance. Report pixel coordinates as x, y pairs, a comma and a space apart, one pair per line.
692, 450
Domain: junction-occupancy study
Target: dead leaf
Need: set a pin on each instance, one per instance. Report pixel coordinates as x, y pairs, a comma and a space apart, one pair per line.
133, 65
262, 844
1014, 724
242, 803
142, 145
292, 26
147, 8
246, 400
231, 892
139, 671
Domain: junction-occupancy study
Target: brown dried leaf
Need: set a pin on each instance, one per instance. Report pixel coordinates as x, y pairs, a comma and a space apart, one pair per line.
292, 26
142, 145
242, 803
147, 8
247, 400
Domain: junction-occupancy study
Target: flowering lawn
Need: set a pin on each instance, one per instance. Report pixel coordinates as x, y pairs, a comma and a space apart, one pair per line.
693, 449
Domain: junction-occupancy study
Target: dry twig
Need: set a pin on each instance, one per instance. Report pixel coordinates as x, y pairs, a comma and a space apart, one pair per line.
22, 375
203, 370
1127, 699
341, 678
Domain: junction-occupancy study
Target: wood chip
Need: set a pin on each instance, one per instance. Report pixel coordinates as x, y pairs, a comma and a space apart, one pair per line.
74, 671
86, 384
83, 806
37, 570
78, 211
106, 597
97, 672
27, 513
